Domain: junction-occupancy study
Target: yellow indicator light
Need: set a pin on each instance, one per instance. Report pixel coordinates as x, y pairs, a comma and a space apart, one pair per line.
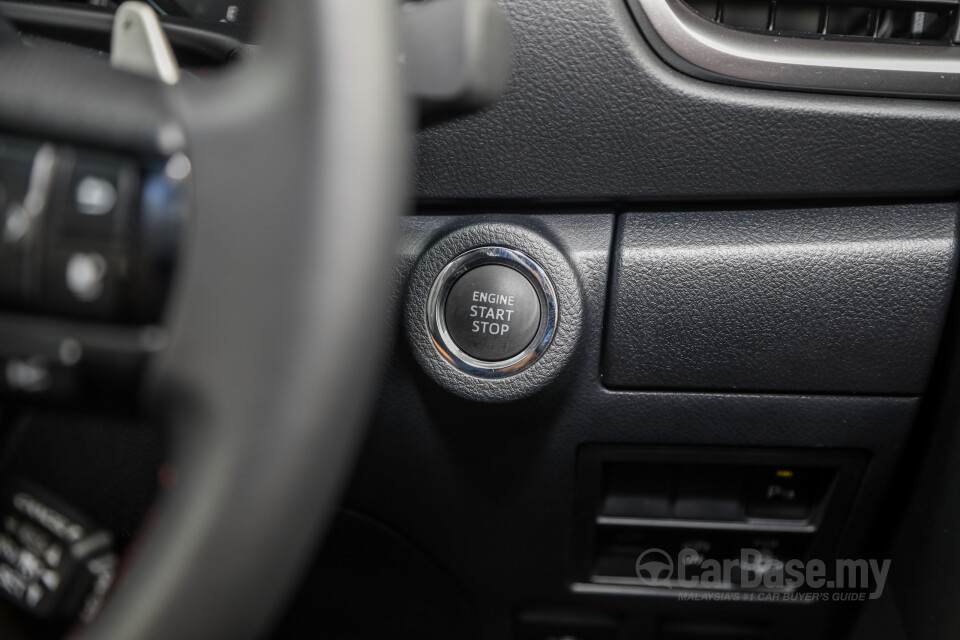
784, 473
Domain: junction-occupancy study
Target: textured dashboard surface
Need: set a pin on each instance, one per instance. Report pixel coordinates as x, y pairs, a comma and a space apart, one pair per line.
817, 300
593, 113
486, 489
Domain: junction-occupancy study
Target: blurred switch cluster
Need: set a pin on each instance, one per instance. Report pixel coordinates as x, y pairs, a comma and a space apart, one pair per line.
88, 242
68, 220
53, 561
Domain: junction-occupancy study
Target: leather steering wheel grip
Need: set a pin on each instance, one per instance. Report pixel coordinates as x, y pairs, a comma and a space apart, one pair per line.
299, 167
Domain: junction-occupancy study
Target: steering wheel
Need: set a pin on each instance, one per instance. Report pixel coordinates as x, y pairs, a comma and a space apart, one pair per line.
275, 316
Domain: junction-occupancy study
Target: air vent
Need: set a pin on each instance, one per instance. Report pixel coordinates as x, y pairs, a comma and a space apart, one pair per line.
836, 46
886, 21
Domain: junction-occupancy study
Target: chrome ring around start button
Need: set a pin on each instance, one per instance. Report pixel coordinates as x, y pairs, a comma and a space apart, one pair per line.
436, 311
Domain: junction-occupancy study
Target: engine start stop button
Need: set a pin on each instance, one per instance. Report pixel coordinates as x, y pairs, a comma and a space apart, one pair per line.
492, 312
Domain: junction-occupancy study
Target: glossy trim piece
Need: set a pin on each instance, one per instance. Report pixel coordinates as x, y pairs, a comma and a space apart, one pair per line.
436, 306
139, 45
712, 51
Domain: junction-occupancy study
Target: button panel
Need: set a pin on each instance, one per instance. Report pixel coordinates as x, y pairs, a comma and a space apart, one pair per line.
73, 243
709, 493
652, 517
54, 562
783, 493
96, 196
715, 492
88, 242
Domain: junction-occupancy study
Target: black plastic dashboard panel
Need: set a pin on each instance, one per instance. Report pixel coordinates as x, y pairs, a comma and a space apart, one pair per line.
487, 489
838, 300
593, 114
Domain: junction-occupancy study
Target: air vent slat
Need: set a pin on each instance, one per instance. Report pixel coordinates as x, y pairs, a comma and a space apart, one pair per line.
797, 16
921, 21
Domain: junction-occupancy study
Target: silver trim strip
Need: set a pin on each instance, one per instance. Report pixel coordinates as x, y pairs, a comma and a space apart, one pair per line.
776, 526
436, 307
701, 47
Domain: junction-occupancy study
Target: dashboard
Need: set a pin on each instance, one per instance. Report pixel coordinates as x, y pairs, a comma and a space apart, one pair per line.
680, 281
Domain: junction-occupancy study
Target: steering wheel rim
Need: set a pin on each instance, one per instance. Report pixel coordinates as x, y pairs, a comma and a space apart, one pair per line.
276, 312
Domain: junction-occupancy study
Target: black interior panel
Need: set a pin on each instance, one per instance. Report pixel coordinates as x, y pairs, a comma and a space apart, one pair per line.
842, 300
487, 490
361, 558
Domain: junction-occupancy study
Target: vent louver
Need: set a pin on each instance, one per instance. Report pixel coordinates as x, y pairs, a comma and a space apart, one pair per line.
926, 22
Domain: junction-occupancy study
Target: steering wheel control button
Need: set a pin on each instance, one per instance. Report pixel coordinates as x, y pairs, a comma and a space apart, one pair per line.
85, 275
84, 283
98, 196
95, 196
492, 312
54, 562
